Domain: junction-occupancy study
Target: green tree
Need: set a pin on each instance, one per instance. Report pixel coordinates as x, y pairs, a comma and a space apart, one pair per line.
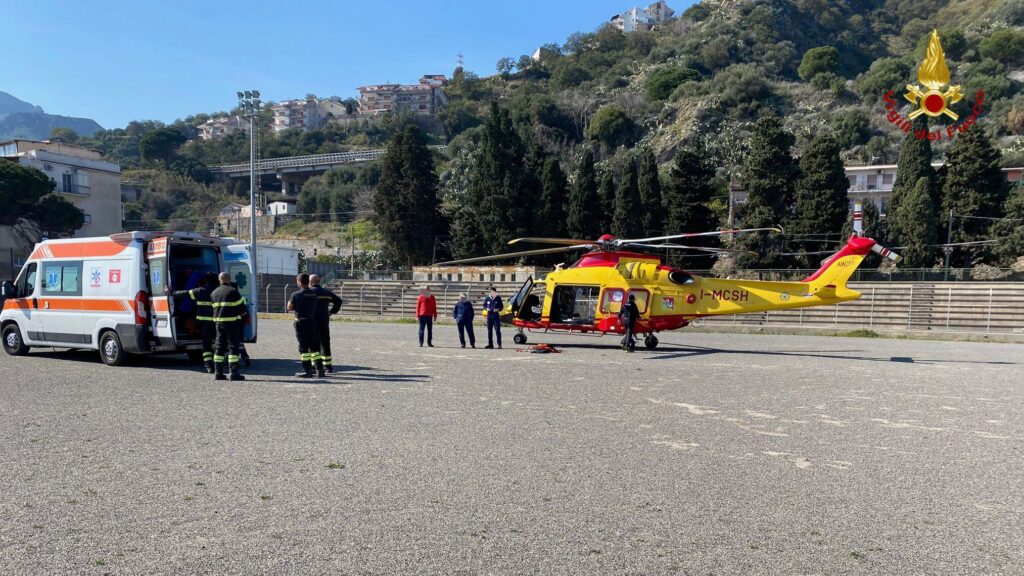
974, 185
651, 214
627, 219
663, 81
30, 206
821, 60
612, 127
822, 204
582, 218
161, 145
885, 74
406, 204
63, 134
1005, 45
917, 219
505, 66
550, 220
606, 200
914, 163
1009, 233
769, 177
688, 194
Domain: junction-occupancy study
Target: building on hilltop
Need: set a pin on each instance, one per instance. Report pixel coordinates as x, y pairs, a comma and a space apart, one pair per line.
636, 19
302, 114
80, 175
215, 128
425, 98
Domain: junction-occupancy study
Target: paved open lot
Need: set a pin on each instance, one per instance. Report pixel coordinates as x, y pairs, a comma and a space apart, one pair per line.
715, 454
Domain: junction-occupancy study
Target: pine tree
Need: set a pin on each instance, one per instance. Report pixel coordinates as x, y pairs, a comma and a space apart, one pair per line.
652, 214
686, 197
914, 163
498, 181
918, 221
1009, 233
606, 200
822, 205
406, 204
550, 215
974, 186
582, 217
769, 178
627, 218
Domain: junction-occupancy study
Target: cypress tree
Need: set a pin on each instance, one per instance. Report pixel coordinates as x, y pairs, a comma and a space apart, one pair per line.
974, 186
606, 201
689, 191
1009, 233
652, 216
550, 215
769, 178
627, 218
406, 205
582, 217
914, 163
497, 180
822, 205
918, 220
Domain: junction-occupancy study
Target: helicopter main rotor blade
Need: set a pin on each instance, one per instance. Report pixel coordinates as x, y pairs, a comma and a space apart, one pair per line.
513, 255
697, 248
559, 241
733, 231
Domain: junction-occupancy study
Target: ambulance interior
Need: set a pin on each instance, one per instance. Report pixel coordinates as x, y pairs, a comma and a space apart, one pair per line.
187, 264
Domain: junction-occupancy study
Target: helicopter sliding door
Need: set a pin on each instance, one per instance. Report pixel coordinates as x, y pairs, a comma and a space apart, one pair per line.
574, 304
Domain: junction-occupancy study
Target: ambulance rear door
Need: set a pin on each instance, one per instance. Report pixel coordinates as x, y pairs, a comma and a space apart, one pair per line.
161, 305
238, 263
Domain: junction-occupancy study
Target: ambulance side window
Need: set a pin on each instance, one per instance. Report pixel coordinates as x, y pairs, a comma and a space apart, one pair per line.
62, 278
27, 281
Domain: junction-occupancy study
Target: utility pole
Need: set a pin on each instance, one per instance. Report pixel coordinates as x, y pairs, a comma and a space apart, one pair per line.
947, 249
249, 102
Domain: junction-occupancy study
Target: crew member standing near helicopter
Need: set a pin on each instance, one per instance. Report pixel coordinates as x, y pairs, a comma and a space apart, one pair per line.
628, 316
324, 298
228, 312
492, 309
304, 303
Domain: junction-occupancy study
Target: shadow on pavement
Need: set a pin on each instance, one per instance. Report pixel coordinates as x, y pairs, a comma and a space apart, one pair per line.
677, 352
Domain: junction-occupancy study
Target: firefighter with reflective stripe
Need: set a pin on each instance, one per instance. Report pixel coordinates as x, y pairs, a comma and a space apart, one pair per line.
324, 298
304, 304
200, 296
228, 313
243, 354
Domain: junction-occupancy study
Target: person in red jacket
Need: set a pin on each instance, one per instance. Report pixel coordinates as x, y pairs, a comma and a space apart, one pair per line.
426, 311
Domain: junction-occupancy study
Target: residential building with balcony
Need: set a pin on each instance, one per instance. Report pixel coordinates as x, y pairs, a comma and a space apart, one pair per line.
215, 128
80, 175
300, 114
425, 98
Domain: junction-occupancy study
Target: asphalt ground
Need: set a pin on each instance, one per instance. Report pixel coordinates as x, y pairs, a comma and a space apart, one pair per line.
714, 454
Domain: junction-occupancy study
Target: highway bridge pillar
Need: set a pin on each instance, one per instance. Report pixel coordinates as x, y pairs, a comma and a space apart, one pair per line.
291, 183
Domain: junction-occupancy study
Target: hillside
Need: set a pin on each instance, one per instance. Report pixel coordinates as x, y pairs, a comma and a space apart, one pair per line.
20, 119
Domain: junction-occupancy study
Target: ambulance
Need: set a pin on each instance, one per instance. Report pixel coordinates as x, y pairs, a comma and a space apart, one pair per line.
113, 294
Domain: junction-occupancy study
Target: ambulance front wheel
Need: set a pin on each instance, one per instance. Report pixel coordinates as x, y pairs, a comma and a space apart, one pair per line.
13, 343
651, 341
111, 351
519, 338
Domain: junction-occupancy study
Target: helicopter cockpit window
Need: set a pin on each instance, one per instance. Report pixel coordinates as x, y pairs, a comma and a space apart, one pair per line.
680, 277
641, 297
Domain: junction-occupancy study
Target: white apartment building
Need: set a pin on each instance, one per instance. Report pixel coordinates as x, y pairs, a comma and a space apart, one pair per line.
301, 114
425, 98
642, 19
219, 127
80, 175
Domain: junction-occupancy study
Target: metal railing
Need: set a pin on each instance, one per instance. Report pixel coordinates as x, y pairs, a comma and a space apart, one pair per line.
273, 164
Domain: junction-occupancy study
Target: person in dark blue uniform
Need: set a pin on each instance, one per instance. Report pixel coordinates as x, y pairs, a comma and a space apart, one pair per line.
304, 304
200, 297
628, 316
464, 320
492, 308
228, 313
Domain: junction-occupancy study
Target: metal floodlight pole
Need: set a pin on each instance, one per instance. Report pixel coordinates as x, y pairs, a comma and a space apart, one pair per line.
249, 101
948, 249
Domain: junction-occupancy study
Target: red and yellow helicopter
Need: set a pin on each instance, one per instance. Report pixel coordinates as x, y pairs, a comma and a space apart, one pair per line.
585, 298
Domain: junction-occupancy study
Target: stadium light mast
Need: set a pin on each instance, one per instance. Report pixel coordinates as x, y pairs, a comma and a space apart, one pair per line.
249, 102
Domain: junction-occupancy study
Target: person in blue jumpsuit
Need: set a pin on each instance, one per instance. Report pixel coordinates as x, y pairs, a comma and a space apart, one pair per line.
492, 308
464, 320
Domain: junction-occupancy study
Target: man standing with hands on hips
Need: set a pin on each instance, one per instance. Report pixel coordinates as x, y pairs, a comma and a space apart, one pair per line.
492, 309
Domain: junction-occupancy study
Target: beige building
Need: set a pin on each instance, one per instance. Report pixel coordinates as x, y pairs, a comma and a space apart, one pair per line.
300, 114
425, 98
219, 127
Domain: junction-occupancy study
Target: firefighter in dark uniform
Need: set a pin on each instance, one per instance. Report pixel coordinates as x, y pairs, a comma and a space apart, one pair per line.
304, 304
228, 314
324, 298
200, 297
243, 354
628, 315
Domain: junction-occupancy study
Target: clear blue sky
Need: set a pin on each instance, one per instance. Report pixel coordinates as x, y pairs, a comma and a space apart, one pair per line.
116, 61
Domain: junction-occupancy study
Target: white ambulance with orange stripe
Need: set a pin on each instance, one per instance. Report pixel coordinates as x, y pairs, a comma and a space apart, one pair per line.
113, 294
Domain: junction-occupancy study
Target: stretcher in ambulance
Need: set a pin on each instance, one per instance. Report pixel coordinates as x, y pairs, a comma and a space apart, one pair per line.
114, 294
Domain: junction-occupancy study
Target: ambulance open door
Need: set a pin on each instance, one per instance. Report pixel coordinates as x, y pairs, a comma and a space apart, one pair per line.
238, 263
